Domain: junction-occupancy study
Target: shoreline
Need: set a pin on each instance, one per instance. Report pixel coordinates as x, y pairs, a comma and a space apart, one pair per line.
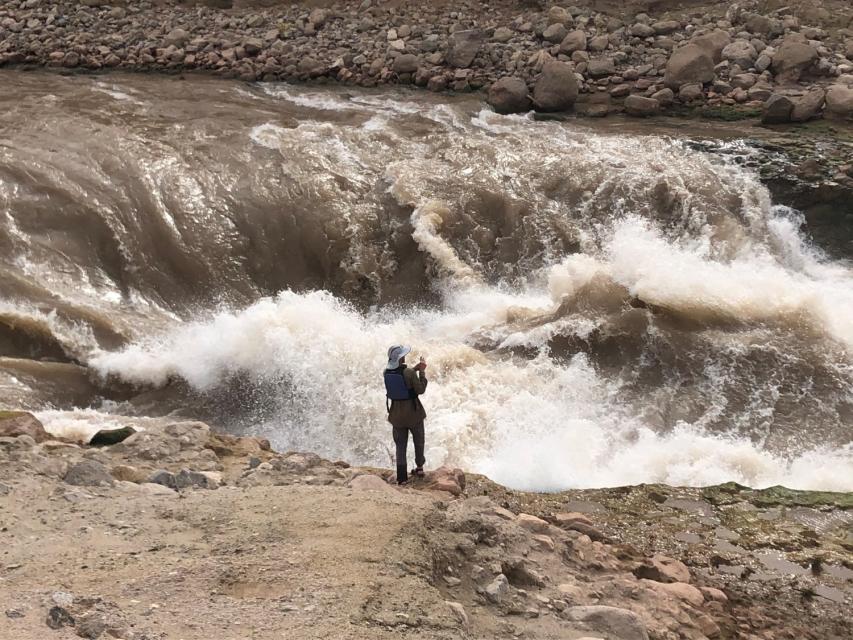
183, 532
714, 62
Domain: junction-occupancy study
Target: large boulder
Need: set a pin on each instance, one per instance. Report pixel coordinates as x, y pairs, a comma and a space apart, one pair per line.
839, 101
792, 59
777, 110
556, 88
688, 64
509, 95
808, 106
574, 41
462, 48
740, 52
713, 43
21, 423
406, 63
641, 106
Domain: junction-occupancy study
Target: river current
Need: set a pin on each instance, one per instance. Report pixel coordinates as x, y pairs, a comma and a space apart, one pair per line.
599, 306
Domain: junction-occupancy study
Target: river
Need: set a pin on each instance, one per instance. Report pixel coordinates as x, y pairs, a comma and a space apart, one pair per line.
600, 304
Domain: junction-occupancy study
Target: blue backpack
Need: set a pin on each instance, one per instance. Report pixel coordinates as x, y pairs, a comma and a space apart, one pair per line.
396, 388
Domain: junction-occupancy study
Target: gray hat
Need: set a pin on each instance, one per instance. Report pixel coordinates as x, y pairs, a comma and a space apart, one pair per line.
395, 354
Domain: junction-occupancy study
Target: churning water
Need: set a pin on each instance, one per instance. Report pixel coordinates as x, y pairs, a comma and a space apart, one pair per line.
597, 308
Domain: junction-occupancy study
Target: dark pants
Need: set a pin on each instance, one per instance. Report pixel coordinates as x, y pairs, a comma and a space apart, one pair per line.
401, 439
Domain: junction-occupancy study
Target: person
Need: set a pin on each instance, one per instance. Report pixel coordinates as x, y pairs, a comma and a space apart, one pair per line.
406, 413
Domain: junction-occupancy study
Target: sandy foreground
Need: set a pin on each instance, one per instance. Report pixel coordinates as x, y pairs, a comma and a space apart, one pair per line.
176, 532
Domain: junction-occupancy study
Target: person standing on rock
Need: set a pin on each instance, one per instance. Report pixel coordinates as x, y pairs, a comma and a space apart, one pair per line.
405, 411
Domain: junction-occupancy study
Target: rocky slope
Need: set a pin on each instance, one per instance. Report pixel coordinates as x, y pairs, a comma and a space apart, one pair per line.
787, 61
176, 532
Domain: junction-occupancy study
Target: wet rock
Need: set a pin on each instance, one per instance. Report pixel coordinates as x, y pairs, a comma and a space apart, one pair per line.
839, 101
777, 110
792, 60
687, 65
556, 89
618, 623
463, 47
509, 95
19, 423
88, 473
642, 107
109, 437
459, 611
497, 589
663, 569
58, 617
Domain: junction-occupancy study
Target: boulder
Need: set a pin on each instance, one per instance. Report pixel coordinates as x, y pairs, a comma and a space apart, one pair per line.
253, 46
502, 34
556, 89
560, 15
406, 63
641, 106
509, 95
109, 437
690, 92
318, 17
311, 67
447, 479
741, 53
601, 67
792, 60
554, 33
662, 568
777, 109
665, 96
617, 623
713, 43
574, 41
58, 617
88, 473
642, 30
21, 423
665, 27
839, 101
462, 48
808, 106
688, 64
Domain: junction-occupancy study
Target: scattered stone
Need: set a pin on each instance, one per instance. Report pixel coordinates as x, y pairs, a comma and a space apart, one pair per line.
663, 569
639, 106
58, 617
497, 589
532, 523
509, 95
463, 47
88, 473
574, 41
621, 623
556, 89
554, 33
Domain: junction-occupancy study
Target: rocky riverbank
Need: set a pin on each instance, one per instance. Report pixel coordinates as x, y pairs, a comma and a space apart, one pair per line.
785, 61
166, 529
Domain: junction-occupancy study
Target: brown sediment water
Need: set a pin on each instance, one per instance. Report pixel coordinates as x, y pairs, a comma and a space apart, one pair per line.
599, 304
